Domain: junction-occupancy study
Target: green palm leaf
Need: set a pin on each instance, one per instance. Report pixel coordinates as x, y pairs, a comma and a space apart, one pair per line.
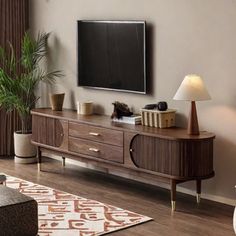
17, 90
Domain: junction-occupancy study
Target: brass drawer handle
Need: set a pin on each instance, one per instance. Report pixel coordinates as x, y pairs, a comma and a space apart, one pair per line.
94, 134
94, 149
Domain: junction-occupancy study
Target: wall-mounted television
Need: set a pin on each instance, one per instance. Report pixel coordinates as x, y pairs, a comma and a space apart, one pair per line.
112, 55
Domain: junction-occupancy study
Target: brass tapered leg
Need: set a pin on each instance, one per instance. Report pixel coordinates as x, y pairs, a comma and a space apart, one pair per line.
198, 191
39, 155
63, 161
198, 198
173, 193
39, 166
173, 205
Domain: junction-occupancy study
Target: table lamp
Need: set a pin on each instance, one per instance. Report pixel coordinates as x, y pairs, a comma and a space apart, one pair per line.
192, 89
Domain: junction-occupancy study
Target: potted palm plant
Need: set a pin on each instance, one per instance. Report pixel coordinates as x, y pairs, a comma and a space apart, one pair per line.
18, 82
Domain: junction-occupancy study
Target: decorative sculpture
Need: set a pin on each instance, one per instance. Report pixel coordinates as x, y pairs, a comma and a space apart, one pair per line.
120, 109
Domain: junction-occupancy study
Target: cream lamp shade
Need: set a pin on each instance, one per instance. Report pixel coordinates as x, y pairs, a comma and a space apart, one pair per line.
192, 89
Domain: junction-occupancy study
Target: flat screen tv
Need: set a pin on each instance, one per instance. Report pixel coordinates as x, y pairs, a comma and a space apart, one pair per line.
111, 55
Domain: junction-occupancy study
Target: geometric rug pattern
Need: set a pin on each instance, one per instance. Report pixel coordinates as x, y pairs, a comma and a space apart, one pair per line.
65, 214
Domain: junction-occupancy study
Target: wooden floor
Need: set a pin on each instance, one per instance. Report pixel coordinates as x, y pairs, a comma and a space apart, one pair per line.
209, 218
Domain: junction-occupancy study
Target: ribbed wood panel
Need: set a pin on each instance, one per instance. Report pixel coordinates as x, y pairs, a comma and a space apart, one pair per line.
47, 130
14, 21
178, 158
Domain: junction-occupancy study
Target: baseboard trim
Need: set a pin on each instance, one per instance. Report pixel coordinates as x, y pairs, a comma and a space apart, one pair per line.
220, 199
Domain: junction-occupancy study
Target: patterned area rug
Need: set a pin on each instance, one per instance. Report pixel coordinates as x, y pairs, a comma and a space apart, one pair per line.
64, 214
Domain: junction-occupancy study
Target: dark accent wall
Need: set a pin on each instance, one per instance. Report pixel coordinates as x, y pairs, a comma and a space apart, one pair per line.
14, 21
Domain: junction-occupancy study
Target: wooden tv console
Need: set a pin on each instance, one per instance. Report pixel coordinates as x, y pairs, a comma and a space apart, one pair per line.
167, 155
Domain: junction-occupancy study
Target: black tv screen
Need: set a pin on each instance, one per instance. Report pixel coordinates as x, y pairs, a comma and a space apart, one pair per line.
111, 55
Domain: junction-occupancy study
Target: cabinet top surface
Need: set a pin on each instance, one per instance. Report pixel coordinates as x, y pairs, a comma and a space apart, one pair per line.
106, 122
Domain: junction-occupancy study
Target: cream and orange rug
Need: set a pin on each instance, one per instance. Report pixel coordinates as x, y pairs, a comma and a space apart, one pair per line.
65, 214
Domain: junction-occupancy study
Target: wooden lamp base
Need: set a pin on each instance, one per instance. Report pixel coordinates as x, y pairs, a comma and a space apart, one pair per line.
193, 128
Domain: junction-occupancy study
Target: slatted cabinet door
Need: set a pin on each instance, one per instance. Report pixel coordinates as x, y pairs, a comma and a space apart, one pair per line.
177, 158
48, 131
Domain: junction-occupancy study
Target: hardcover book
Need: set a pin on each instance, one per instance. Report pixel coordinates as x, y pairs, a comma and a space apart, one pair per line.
134, 119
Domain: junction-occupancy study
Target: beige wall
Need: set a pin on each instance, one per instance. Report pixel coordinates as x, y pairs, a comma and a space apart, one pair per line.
188, 36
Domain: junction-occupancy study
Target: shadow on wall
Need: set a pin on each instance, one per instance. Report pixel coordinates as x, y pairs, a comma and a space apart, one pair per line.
55, 60
43, 92
98, 109
150, 58
181, 120
55, 51
72, 99
225, 166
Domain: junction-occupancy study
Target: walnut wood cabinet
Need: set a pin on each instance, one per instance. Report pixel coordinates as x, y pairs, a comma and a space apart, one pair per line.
167, 155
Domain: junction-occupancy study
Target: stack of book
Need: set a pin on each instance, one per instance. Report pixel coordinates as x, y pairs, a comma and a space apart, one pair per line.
134, 119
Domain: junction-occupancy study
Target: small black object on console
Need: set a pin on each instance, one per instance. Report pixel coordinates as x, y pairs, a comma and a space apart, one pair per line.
162, 106
150, 106
120, 109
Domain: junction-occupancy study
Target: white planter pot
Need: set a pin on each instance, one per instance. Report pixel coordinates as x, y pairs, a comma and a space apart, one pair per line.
25, 152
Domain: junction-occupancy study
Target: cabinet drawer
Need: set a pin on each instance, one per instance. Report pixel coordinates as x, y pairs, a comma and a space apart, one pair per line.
97, 134
99, 150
